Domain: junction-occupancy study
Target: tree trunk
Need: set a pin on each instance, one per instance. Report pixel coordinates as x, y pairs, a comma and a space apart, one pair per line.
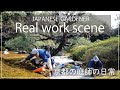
61, 45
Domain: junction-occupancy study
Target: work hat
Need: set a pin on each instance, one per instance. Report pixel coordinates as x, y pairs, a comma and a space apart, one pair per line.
34, 51
95, 58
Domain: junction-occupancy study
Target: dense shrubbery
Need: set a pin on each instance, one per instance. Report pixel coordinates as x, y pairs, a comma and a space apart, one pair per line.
44, 43
24, 43
20, 42
76, 44
106, 50
79, 41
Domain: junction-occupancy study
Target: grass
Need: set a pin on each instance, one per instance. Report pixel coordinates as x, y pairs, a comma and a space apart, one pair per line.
20, 73
15, 72
13, 56
116, 76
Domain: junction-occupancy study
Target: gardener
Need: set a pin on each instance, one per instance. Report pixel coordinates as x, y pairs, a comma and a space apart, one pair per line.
95, 63
41, 54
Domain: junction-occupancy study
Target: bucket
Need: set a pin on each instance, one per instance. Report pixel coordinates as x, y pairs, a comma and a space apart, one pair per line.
41, 69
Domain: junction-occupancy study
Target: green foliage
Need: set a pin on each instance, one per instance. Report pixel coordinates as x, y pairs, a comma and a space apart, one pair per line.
20, 42
116, 30
10, 17
77, 52
107, 51
43, 43
25, 42
79, 41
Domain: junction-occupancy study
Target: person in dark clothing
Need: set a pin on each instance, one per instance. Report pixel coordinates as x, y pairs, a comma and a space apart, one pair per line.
95, 63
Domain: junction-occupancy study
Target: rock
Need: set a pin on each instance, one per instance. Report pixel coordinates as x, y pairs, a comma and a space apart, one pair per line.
22, 52
6, 51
